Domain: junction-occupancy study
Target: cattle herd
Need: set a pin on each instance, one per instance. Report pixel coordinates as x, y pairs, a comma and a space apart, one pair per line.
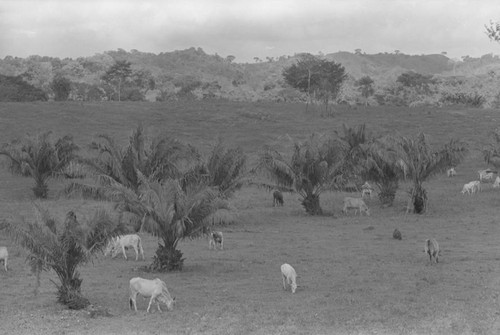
157, 290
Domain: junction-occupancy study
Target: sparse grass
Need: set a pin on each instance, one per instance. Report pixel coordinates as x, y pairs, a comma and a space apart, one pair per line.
353, 277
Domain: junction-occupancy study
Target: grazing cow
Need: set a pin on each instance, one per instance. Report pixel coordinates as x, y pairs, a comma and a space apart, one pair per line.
277, 198
477, 186
431, 248
486, 174
156, 289
366, 189
496, 184
357, 204
471, 187
289, 276
4, 255
216, 238
451, 172
123, 242
396, 234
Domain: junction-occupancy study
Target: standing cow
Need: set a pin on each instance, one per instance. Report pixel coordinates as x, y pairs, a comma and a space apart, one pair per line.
277, 198
357, 204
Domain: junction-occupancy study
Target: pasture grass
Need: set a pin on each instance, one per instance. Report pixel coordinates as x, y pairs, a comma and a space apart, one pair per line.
353, 277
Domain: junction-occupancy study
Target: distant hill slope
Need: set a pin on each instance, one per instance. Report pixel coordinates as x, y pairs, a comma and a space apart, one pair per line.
233, 80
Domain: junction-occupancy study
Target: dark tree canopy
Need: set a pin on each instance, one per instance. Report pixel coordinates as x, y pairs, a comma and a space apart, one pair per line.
118, 74
61, 87
316, 76
493, 31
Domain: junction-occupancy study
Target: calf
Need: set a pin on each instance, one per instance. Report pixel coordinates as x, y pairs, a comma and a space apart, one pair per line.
156, 289
496, 184
471, 187
277, 198
451, 172
357, 204
366, 189
4, 255
431, 248
123, 242
216, 238
289, 276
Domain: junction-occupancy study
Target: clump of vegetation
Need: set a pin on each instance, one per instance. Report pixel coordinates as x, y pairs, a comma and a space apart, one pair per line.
316, 165
63, 248
39, 157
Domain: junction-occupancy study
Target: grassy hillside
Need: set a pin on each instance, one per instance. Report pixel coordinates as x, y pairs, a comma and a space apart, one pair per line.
354, 278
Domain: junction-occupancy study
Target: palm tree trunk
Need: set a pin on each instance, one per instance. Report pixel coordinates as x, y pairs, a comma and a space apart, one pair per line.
418, 198
41, 188
387, 192
69, 292
167, 258
311, 204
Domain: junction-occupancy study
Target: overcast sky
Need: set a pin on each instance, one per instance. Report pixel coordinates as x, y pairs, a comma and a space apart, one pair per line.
246, 28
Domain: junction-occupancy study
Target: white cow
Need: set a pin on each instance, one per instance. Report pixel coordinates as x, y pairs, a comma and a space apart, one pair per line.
289, 276
357, 204
496, 184
486, 174
431, 248
216, 238
156, 289
471, 187
477, 186
4, 255
123, 242
451, 172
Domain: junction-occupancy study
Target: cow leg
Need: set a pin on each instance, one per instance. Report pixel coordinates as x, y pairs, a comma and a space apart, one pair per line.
141, 250
150, 301
124, 253
136, 253
284, 281
5, 263
132, 299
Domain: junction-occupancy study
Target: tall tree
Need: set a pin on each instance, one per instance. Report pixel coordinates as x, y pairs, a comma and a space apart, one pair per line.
316, 77
39, 157
61, 87
365, 86
63, 248
493, 31
118, 74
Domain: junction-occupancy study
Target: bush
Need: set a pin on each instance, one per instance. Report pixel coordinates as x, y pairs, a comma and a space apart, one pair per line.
16, 89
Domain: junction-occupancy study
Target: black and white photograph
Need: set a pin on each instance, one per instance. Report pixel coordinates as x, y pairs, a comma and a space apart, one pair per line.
258, 167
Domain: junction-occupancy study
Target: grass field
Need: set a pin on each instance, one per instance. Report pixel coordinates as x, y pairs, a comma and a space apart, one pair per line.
353, 277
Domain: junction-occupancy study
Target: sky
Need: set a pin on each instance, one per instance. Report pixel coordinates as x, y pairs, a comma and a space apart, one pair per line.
247, 28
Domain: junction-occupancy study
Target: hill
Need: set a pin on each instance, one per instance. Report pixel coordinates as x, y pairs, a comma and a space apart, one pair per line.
192, 73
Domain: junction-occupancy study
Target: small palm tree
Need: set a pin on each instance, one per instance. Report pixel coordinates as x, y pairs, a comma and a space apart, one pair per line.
491, 152
113, 165
315, 165
420, 162
63, 248
354, 142
172, 213
224, 170
384, 167
39, 157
